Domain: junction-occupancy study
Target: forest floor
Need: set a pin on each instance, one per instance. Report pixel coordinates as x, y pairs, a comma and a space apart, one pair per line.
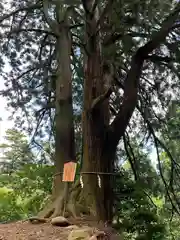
24, 230
27, 231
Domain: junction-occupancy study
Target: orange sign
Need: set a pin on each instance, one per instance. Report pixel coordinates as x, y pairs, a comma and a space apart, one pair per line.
69, 172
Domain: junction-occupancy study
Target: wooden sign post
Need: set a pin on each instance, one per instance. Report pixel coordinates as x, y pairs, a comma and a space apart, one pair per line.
69, 172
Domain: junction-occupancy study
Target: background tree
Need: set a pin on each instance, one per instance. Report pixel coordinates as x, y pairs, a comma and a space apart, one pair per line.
15, 152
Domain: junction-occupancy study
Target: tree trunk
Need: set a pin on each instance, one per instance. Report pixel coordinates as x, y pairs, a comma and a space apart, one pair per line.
95, 198
97, 156
64, 127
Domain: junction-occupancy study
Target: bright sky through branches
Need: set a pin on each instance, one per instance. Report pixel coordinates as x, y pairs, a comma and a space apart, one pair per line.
4, 114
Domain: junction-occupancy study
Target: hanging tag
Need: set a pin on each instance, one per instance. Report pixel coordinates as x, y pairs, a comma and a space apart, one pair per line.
69, 172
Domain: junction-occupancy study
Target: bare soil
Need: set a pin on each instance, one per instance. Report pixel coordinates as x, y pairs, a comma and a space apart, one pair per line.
27, 231
24, 230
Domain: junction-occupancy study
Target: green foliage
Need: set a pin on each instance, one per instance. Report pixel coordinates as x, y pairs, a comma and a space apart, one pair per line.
23, 193
25, 184
137, 212
10, 209
16, 151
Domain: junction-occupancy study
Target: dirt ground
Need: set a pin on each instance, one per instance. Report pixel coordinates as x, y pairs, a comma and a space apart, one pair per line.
24, 230
28, 231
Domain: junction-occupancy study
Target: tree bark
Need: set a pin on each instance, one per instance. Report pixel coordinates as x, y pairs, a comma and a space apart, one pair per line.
64, 127
95, 120
94, 198
64, 139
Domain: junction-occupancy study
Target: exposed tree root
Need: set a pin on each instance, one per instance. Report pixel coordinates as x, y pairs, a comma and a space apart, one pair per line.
38, 220
69, 203
75, 202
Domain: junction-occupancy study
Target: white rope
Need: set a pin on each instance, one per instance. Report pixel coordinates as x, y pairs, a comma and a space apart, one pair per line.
99, 181
81, 181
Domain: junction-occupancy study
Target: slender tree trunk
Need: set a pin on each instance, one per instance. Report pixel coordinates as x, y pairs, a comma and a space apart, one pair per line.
64, 139
64, 127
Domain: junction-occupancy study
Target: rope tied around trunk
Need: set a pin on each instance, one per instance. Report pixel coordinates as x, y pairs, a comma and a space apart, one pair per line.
97, 173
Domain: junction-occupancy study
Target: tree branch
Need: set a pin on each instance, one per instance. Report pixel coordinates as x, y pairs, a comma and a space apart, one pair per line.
158, 143
19, 30
131, 86
47, 106
85, 6
32, 7
156, 58
159, 37
28, 71
52, 23
161, 171
106, 10
101, 98
116, 36
95, 5
113, 110
131, 159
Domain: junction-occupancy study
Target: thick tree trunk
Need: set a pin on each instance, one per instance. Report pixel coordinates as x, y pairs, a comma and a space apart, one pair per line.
95, 151
95, 198
97, 156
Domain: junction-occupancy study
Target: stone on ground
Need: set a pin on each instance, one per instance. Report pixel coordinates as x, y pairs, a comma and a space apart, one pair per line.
80, 234
71, 227
90, 233
60, 221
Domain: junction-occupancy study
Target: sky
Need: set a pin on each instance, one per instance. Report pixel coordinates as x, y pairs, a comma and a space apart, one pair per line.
4, 114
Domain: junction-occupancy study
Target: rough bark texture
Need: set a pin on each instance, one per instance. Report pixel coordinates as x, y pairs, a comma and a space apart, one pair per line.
92, 199
64, 127
96, 156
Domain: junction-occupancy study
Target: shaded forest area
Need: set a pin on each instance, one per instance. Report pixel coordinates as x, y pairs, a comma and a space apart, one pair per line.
97, 83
